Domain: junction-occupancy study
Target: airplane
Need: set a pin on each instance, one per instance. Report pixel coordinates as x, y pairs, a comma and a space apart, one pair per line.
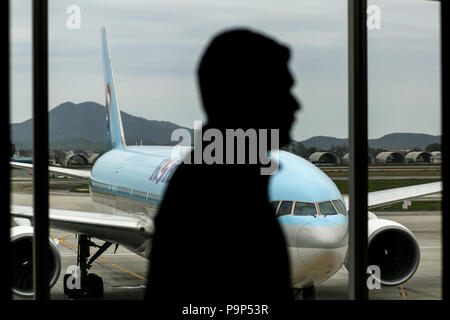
129, 183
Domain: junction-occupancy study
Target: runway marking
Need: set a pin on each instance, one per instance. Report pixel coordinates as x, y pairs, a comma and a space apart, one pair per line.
130, 287
62, 240
104, 254
403, 292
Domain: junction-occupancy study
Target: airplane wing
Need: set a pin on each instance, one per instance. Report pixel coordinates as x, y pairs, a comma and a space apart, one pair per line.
385, 197
129, 230
74, 173
126, 229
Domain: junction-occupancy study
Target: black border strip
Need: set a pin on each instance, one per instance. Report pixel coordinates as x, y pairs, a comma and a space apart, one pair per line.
445, 104
6, 175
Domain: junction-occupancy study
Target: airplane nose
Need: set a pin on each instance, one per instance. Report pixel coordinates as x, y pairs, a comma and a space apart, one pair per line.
320, 243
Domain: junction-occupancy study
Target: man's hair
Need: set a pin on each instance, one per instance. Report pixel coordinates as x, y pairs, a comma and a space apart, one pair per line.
236, 66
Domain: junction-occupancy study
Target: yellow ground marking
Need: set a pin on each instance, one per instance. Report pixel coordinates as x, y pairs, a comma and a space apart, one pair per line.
62, 240
403, 292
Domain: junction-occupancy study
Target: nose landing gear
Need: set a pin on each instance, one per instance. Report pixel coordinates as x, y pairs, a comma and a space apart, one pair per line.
308, 293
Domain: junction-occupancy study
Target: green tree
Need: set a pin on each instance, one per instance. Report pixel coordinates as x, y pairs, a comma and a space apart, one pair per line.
433, 147
295, 147
340, 151
309, 151
375, 151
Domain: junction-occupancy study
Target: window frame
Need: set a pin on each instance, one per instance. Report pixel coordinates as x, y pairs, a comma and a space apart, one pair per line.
278, 205
356, 10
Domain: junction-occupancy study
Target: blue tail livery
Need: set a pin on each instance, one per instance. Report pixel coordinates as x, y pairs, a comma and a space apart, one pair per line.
113, 119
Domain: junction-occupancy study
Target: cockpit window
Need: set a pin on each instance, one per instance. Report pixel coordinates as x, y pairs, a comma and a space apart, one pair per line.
305, 209
285, 208
326, 208
340, 207
275, 205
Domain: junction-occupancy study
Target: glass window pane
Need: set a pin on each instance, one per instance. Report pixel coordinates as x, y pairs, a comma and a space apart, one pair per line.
340, 206
326, 208
403, 77
285, 208
305, 209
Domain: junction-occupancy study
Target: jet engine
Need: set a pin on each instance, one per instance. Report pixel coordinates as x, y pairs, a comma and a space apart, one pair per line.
394, 249
22, 260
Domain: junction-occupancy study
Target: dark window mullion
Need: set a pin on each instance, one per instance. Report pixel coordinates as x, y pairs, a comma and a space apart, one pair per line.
40, 150
358, 149
5, 177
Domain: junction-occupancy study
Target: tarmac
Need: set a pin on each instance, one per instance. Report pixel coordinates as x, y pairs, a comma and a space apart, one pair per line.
124, 273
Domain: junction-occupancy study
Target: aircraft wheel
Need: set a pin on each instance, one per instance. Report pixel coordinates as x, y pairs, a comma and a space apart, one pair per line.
94, 286
309, 293
71, 293
296, 292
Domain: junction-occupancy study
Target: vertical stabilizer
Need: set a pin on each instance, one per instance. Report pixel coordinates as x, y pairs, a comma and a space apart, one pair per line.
113, 119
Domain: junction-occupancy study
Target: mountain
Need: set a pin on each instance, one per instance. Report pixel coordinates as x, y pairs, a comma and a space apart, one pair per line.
401, 141
83, 126
323, 142
404, 141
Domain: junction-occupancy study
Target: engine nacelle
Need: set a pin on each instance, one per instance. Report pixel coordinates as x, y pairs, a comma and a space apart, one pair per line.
394, 249
22, 260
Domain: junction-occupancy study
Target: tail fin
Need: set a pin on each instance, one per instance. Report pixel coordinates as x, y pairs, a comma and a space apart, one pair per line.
113, 118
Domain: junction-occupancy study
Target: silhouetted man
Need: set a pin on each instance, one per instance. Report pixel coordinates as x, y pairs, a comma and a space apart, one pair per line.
216, 238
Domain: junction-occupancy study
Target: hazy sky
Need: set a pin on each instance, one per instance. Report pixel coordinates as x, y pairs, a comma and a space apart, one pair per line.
155, 47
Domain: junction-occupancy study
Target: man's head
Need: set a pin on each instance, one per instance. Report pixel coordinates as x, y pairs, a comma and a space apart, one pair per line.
245, 83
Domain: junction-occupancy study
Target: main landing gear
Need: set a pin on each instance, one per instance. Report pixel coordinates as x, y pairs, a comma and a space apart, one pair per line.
80, 283
308, 293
